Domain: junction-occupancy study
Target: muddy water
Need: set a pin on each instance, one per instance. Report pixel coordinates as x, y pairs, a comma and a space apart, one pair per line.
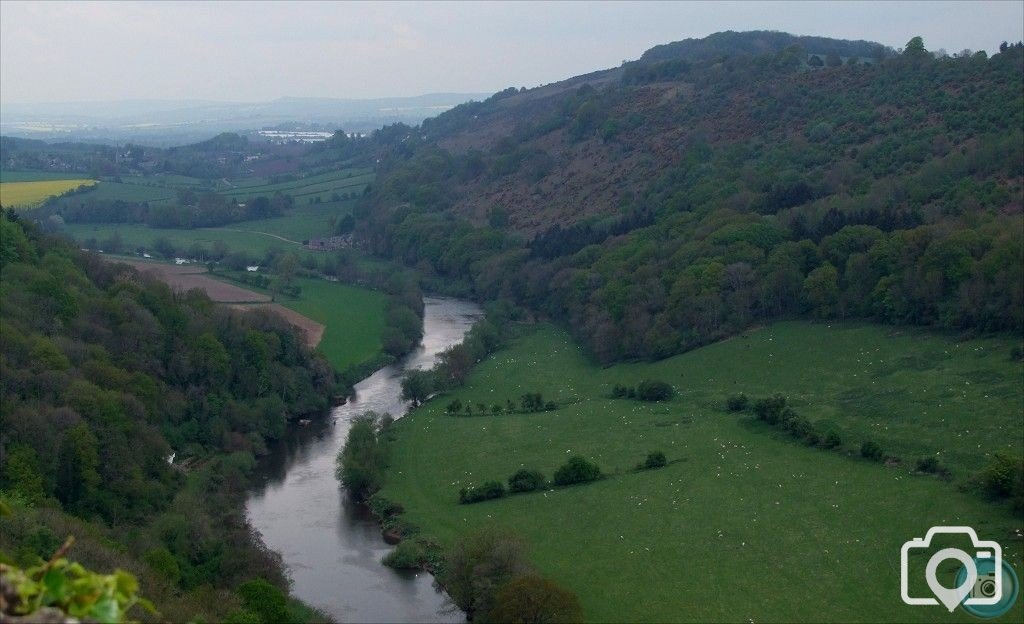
331, 547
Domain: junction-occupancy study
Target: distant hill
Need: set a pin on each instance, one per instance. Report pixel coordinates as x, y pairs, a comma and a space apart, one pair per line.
720, 182
760, 42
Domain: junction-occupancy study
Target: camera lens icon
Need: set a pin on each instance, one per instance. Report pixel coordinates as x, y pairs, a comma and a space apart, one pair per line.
988, 582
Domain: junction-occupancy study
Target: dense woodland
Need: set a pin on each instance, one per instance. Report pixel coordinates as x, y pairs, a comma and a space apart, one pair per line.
742, 188
104, 373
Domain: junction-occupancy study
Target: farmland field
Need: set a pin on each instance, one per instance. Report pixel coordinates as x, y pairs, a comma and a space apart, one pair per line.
353, 318
253, 237
7, 175
320, 186
31, 194
742, 511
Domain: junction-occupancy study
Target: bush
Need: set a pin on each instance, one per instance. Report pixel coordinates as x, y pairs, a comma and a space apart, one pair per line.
478, 565
832, 440
928, 464
619, 391
408, 555
798, 426
384, 508
870, 450
737, 402
531, 598
771, 409
577, 470
999, 476
656, 459
487, 491
526, 481
265, 600
654, 390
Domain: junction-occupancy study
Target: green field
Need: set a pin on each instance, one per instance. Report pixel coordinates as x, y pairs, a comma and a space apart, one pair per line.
319, 186
254, 237
745, 524
354, 318
36, 176
31, 194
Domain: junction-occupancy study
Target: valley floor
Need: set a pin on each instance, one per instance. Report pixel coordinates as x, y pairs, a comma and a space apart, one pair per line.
744, 524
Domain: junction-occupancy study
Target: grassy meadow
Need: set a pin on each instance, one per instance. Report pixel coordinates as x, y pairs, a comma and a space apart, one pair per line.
353, 316
29, 194
253, 237
316, 187
744, 524
9, 175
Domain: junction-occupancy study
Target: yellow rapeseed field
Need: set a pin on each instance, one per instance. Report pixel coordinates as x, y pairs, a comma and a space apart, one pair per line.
31, 194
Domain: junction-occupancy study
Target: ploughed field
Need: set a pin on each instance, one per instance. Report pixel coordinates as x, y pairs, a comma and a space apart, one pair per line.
745, 523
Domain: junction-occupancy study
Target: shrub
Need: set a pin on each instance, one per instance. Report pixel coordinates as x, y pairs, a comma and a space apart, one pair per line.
833, 440
486, 491
870, 450
1017, 353
408, 555
383, 507
526, 481
577, 470
454, 407
654, 390
771, 409
619, 391
550, 406
798, 426
265, 600
531, 598
655, 460
928, 464
737, 402
478, 565
999, 476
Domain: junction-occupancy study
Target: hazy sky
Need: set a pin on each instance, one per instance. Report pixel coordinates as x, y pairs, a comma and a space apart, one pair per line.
52, 51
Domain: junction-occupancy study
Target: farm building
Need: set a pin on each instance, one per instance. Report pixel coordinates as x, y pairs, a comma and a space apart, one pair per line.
327, 244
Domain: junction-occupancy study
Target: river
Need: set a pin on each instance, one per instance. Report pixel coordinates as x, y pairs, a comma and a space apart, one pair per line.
331, 547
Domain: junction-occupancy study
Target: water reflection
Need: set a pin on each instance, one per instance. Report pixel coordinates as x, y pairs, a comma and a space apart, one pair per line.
332, 547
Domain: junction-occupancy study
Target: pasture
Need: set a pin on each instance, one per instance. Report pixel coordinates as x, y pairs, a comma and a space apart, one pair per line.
32, 193
744, 523
255, 237
318, 187
8, 175
353, 318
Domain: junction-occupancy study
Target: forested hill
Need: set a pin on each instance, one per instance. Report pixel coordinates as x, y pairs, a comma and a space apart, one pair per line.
668, 203
104, 373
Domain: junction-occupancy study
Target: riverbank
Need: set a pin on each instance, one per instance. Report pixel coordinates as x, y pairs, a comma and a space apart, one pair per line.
331, 546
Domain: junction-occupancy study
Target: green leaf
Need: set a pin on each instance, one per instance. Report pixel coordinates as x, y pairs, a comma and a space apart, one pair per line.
56, 585
106, 611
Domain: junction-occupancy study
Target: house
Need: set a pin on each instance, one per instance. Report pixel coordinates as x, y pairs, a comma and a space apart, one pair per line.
252, 269
180, 261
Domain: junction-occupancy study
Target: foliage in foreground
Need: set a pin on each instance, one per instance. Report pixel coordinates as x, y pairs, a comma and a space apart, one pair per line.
61, 588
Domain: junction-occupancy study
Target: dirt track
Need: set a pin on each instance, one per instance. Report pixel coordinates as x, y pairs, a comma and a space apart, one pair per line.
189, 276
